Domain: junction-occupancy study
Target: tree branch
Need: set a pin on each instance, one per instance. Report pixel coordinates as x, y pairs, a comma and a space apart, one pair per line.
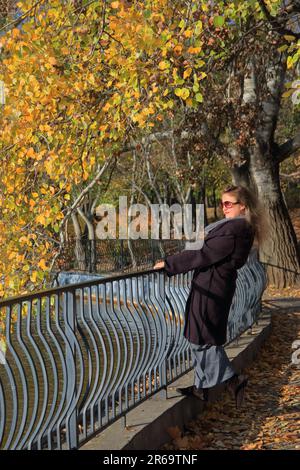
287, 149
295, 176
21, 18
275, 22
78, 200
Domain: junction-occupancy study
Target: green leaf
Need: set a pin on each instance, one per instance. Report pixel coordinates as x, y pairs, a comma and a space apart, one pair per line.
283, 48
199, 98
198, 28
219, 21
179, 81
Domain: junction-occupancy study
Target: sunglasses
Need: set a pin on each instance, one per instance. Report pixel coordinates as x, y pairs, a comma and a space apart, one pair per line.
228, 204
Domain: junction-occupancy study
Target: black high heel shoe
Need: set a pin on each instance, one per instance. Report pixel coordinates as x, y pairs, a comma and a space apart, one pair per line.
237, 385
192, 391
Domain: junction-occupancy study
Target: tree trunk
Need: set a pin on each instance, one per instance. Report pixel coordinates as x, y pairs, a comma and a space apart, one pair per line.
260, 172
279, 251
78, 249
204, 202
91, 241
215, 204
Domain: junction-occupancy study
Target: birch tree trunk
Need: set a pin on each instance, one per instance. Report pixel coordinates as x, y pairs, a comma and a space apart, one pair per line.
91, 262
78, 249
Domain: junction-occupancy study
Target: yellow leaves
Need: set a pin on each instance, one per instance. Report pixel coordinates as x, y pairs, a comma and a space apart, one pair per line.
289, 38
10, 188
65, 51
12, 255
290, 62
33, 276
194, 50
187, 73
188, 33
42, 264
202, 75
52, 61
28, 117
31, 204
63, 89
85, 175
149, 110
91, 79
183, 93
106, 107
46, 128
41, 219
198, 28
139, 119
23, 240
164, 65
178, 49
15, 33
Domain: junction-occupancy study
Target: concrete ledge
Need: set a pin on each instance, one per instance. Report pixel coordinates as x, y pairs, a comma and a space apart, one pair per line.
146, 425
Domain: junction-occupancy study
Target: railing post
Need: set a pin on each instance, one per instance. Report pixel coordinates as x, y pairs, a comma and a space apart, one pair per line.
152, 251
71, 419
163, 367
122, 253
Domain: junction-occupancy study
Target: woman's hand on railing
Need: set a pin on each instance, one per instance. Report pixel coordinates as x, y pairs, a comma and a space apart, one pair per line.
159, 265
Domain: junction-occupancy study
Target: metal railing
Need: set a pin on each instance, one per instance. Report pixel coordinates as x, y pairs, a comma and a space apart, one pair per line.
81, 356
115, 255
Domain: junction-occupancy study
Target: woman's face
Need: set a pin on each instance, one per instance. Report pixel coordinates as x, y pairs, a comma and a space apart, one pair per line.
232, 207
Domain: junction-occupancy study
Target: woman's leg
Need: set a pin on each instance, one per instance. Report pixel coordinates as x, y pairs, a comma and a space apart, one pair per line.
212, 365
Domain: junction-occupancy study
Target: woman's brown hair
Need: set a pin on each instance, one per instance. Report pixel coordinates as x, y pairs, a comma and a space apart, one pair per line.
254, 212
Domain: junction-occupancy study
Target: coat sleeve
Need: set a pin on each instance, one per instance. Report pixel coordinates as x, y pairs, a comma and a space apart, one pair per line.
215, 249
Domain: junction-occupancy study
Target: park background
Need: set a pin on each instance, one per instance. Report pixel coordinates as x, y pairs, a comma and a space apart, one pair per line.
161, 101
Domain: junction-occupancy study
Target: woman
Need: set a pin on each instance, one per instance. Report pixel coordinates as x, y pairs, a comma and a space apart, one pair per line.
226, 248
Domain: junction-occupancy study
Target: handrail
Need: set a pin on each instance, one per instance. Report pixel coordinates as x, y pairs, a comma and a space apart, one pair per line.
81, 356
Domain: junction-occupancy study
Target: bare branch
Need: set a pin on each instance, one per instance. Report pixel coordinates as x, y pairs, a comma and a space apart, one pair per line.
287, 149
295, 176
275, 22
83, 193
21, 18
88, 223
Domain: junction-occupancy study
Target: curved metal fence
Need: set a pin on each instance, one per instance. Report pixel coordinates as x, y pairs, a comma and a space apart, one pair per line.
76, 358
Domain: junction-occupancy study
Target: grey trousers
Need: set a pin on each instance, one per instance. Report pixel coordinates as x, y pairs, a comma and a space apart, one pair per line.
211, 364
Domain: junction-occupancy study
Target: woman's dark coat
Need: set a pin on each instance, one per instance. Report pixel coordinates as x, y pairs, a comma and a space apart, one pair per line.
225, 249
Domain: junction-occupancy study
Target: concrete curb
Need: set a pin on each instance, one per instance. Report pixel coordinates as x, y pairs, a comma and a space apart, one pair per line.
147, 425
